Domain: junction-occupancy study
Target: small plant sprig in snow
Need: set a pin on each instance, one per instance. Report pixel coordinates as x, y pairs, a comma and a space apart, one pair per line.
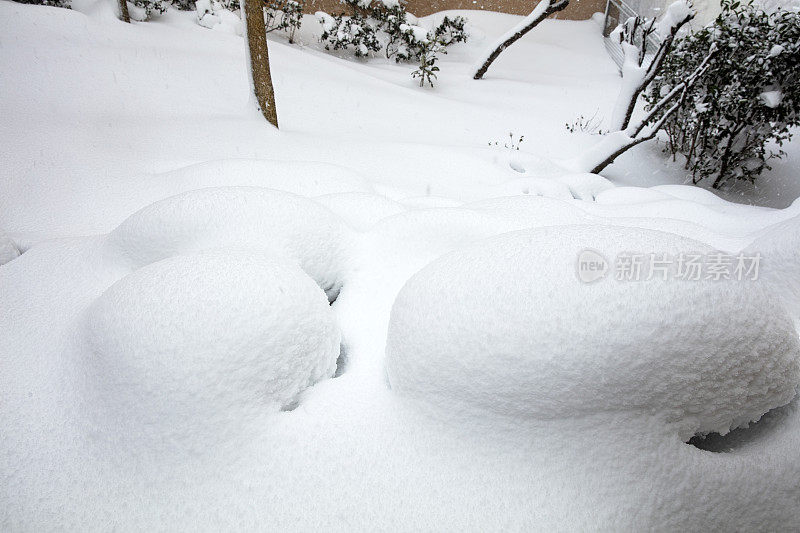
511, 143
589, 125
426, 72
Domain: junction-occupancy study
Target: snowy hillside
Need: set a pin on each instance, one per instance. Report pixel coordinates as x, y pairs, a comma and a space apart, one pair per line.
378, 317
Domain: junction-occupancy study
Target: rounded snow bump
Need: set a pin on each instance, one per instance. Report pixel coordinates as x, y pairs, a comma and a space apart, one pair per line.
508, 325
253, 218
192, 348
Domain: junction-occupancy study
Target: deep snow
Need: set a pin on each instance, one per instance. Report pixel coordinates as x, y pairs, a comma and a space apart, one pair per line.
165, 306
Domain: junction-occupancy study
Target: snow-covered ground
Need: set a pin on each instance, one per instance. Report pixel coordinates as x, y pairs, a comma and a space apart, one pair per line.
168, 359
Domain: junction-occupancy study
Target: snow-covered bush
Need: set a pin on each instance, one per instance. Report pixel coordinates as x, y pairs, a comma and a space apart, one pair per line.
639, 68
341, 32
142, 10
283, 15
219, 15
745, 102
451, 30
385, 24
407, 40
184, 5
52, 3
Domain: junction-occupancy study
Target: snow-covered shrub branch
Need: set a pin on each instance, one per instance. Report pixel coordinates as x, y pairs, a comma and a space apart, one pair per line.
543, 9
635, 36
616, 143
52, 3
143, 10
341, 32
284, 15
638, 73
746, 100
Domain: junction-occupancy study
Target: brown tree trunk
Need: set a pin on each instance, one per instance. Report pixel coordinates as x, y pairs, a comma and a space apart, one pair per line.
555, 6
256, 37
123, 11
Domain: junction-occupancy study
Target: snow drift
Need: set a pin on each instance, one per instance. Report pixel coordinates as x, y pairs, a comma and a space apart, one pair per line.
281, 223
195, 347
506, 325
779, 246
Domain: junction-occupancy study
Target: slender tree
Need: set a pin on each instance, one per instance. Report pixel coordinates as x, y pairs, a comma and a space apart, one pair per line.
123, 11
258, 55
543, 9
637, 73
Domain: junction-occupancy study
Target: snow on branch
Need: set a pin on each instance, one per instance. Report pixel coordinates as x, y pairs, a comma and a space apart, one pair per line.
615, 144
543, 9
637, 73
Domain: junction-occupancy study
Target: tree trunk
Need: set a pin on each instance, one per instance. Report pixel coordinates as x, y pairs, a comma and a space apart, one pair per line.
123, 11
543, 9
723, 169
260, 77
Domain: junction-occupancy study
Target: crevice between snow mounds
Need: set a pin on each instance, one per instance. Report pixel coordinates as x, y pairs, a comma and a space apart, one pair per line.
506, 325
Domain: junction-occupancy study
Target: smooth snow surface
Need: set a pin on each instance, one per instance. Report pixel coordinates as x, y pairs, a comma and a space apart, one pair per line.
361, 210
780, 246
508, 326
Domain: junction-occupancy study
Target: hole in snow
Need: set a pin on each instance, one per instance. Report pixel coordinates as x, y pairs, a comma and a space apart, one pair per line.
341, 361
332, 292
738, 438
517, 166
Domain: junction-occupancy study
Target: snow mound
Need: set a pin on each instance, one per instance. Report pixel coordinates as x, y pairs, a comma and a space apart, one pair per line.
690, 193
8, 249
305, 178
200, 345
585, 186
683, 228
360, 210
631, 195
533, 211
429, 202
779, 246
535, 186
284, 224
506, 325
420, 235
